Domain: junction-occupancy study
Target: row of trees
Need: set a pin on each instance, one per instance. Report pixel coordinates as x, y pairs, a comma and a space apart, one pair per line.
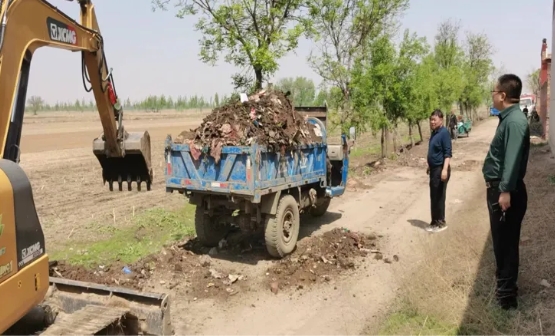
368, 79
406, 82
371, 81
37, 103
303, 92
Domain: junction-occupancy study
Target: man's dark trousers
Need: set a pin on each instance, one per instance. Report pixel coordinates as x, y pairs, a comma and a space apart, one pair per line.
505, 233
438, 192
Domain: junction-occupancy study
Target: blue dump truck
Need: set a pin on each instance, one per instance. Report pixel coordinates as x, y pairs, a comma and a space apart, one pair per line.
255, 189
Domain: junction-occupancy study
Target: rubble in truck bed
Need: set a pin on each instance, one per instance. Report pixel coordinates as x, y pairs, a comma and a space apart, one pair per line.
266, 118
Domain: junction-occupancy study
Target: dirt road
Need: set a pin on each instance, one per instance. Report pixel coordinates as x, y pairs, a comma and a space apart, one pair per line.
69, 196
397, 207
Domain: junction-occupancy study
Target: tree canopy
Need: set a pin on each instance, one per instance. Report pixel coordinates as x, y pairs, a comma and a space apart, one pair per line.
250, 34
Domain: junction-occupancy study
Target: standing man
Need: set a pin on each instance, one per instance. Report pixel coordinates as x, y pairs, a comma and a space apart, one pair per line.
525, 110
439, 169
453, 125
507, 200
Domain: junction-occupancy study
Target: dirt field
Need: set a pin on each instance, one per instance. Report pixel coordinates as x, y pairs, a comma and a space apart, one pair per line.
66, 177
337, 282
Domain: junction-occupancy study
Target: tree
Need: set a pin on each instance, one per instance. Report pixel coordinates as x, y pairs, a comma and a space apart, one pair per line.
448, 56
346, 30
373, 86
415, 95
303, 90
253, 34
425, 100
35, 103
533, 82
321, 97
478, 66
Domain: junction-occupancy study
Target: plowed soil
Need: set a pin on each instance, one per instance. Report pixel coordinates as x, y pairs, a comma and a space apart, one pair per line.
71, 200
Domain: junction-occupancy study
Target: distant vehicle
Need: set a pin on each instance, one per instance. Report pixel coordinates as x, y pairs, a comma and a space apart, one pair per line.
464, 126
529, 101
493, 112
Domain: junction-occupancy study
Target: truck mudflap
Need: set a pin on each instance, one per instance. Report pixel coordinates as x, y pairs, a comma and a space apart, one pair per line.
134, 312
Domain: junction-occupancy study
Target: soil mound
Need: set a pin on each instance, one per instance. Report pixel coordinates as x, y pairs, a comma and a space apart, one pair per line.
172, 268
266, 118
321, 258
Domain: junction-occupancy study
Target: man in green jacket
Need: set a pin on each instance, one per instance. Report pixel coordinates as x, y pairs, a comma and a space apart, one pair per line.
504, 170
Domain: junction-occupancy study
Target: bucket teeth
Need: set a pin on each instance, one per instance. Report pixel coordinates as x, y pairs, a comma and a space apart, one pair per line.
138, 183
130, 179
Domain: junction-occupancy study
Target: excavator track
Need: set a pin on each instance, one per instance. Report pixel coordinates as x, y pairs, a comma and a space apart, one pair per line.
86, 321
85, 308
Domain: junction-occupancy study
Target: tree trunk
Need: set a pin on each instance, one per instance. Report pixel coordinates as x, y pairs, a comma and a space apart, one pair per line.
382, 143
345, 107
258, 76
395, 145
411, 137
420, 131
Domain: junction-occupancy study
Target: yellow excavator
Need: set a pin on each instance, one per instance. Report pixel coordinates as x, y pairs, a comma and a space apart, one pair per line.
25, 284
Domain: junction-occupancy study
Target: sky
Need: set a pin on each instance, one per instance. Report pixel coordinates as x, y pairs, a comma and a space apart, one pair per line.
154, 53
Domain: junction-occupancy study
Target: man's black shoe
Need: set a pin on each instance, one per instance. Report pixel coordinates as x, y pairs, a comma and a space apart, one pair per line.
508, 303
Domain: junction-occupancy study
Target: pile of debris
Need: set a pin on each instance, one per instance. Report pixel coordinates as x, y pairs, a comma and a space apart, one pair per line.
320, 259
266, 118
173, 268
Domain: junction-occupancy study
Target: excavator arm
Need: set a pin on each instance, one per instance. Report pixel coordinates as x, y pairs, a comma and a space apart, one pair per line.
25, 26
25, 282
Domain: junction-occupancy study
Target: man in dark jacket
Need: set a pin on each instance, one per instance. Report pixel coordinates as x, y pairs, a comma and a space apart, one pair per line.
439, 169
507, 200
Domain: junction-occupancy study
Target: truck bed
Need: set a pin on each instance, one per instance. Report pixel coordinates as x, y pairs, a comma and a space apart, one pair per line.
248, 171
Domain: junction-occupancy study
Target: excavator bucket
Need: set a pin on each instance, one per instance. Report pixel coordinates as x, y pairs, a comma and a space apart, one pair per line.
83, 308
133, 166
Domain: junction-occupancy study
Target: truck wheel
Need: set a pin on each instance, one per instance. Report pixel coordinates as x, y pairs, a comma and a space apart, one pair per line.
209, 231
282, 230
321, 207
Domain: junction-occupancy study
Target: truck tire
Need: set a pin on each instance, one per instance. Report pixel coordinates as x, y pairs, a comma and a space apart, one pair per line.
321, 207
282, 229
209, 231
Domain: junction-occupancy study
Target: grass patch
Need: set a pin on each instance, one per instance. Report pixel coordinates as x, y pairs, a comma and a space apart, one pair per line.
407, 321
149, 232
365, 150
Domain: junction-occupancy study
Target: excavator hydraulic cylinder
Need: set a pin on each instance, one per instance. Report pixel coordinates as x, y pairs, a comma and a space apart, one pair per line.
134, 165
